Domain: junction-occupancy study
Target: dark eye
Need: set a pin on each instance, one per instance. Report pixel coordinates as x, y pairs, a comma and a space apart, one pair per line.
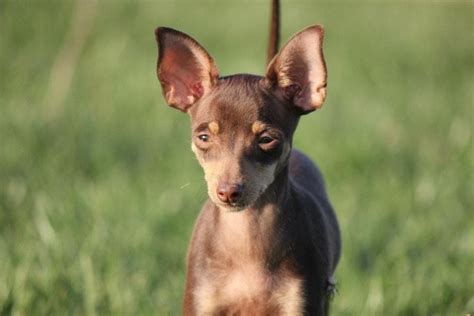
267, 142
265, 139
204, 137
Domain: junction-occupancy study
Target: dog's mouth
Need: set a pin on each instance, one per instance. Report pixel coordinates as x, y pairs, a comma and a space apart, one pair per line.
231, 206
237, 206
246, 200
234, 207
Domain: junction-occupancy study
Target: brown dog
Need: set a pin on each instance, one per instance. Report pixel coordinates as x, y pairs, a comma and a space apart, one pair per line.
267, 240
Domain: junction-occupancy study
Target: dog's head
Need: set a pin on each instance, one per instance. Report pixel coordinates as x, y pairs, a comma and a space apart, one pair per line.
242, 125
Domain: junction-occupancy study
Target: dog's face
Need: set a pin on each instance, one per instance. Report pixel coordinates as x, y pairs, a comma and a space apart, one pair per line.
242, 125
242, 138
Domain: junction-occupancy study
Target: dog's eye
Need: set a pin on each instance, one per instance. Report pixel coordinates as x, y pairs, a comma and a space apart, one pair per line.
267, 142
203, 137
265, 139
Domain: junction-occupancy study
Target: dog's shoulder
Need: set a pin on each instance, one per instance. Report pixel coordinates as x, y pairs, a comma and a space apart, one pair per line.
305, 173
312, 199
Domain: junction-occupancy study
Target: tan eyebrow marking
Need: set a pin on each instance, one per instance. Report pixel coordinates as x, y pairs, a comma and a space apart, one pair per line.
214, 127
258, 127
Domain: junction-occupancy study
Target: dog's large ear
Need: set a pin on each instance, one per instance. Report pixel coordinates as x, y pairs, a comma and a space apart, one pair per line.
298, 71
185, 70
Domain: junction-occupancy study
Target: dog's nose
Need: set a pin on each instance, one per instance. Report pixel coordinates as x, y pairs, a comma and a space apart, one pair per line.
229, 193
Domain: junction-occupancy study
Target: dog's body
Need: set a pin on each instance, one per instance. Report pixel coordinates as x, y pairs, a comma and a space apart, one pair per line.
267, 241
274, 258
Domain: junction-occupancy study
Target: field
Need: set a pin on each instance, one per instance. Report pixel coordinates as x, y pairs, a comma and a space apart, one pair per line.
99, 188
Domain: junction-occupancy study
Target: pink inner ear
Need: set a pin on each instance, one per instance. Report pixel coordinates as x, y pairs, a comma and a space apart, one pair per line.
185, 69
291, 91
299, 69
179, 74
197, 90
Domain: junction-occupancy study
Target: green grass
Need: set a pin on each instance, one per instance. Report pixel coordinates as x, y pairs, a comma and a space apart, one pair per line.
99, 189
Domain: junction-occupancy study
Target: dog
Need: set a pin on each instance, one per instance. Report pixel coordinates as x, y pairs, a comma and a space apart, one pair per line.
267, 240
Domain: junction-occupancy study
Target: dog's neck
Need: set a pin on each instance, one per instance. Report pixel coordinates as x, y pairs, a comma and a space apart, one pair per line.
257, 232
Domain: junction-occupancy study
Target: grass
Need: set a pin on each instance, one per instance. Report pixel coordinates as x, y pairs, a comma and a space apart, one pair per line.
99, 189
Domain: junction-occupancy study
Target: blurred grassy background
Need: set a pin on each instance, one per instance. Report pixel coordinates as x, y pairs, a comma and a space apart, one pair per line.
99, 189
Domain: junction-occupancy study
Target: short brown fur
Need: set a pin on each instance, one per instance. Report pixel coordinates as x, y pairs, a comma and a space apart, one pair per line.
267, 240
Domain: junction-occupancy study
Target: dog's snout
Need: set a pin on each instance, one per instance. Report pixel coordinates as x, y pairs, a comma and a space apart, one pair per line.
229, 193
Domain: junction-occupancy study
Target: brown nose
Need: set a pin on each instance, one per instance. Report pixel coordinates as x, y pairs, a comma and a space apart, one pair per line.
229, 193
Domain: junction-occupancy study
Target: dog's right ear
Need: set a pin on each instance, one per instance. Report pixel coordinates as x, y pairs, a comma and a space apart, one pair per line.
298, 72
185, 70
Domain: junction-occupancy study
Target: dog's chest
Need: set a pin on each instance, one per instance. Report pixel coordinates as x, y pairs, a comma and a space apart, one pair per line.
249, 289
245, 283
234, 278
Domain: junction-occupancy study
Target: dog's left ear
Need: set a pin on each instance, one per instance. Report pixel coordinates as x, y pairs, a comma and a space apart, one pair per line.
185, 70
298, 71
